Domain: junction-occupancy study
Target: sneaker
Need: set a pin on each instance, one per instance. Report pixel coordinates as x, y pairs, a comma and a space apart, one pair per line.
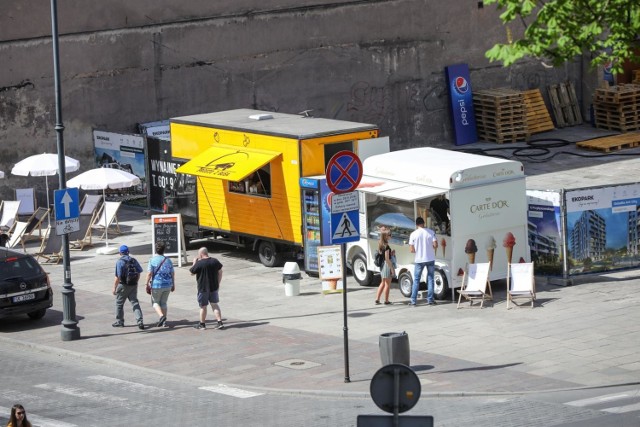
118, 325
141, 326
412, 304
432, 303
388, 302
200, 326
219, 326
162, 321
377, 302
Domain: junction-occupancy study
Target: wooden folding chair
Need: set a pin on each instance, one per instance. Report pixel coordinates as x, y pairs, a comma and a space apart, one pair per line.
51, 248
35, 224
521, 283
90, 203
107, 218
475, 284
83, 237
9, 214
18, 234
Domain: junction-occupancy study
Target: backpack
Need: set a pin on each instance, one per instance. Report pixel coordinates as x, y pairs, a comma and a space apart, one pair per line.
128, 274
378, 259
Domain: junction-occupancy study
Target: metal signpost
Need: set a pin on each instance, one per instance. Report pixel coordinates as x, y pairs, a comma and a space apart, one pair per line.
344, 173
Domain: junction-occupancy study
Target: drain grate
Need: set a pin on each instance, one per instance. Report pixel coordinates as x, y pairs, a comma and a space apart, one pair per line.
297, 364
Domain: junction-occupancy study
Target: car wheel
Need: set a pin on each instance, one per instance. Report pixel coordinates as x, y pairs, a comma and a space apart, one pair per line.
269, 256
38, 314
440, 287
363, 276
405, 283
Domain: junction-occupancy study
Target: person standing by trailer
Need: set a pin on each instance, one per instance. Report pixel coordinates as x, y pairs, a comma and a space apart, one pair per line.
208, 272
387, 270
423, 243
161, 278
125, 286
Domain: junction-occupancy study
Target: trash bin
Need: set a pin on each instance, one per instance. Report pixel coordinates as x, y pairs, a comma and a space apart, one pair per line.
291, 278
394, 348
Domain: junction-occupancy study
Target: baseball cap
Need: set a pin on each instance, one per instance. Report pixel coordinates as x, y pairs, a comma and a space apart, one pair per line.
124, 249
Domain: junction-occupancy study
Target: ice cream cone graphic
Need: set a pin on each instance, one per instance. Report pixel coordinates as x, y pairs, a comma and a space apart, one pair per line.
508, 243
470, 249
443, 243
490, 246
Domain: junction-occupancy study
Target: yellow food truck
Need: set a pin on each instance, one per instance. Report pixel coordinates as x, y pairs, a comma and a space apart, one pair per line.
244, 168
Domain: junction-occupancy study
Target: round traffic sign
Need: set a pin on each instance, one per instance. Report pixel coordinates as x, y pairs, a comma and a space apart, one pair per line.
344, 172
395, 383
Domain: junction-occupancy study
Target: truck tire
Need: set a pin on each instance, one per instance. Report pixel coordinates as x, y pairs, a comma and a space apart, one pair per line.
268, 254
405, 282
440, 286
359, 270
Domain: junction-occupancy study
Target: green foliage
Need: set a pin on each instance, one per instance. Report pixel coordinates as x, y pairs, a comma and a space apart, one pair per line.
557, 31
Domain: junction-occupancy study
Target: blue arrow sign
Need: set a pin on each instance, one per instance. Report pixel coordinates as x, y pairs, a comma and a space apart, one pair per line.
66, 204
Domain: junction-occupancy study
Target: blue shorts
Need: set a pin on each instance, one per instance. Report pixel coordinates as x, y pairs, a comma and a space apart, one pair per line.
204, 298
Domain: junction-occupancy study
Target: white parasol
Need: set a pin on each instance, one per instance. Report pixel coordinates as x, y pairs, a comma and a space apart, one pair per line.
46, 165
102, 179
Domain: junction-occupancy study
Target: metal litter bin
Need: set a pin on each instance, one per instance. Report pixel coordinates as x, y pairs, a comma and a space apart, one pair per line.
394, 348
291, 278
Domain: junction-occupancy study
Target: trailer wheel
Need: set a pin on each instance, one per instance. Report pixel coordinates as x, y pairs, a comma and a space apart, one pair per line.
440, 287
268, 254
359, 270
405, 282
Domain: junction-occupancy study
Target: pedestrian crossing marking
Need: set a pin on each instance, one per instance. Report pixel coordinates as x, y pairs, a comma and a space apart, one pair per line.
79, 392
231, 391
127, 385
599, 399
345, 228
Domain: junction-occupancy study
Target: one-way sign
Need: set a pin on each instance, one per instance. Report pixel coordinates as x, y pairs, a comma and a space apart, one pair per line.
67, 210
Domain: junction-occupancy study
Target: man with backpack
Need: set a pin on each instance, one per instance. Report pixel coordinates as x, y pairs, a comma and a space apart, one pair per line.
125, 286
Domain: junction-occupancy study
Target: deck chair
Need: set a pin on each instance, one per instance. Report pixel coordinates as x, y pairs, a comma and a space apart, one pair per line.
90, 203
520, 283
18, 234
34, 223
107, 218
9, 214
51, 248
83, 237
475, 284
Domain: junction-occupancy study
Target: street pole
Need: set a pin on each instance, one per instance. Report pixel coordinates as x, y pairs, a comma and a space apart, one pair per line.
70, 330
345, 328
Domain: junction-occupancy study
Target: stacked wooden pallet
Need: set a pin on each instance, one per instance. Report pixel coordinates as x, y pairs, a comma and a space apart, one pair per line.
500, 115
538, 118
609, 143
617, 107
564, 104
636, 77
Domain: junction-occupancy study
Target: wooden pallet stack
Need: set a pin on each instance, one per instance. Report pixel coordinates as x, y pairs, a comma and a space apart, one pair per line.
538, 118
500, 115
636, 77
564, 104
617, 107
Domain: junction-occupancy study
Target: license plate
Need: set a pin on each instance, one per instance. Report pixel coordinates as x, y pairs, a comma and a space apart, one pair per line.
25, 297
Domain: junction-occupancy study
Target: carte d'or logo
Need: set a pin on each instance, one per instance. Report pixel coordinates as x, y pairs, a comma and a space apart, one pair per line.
488, 205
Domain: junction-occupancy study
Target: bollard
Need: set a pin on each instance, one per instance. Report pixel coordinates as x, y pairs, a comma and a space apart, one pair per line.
394, 348
291, 278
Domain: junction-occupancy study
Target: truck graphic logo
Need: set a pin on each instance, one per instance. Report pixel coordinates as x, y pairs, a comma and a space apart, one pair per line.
223, 165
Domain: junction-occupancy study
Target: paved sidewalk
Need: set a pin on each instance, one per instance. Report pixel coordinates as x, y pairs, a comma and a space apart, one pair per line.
577, 336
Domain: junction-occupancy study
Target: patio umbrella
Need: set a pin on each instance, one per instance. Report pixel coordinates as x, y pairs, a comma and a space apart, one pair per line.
102, 179
45, 164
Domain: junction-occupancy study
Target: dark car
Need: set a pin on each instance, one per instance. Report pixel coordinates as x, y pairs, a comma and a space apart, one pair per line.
24, 285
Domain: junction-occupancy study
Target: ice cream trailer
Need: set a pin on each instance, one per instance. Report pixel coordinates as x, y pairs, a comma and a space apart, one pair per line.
486, 219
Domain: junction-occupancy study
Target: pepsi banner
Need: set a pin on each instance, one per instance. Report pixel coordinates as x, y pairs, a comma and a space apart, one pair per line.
464, 119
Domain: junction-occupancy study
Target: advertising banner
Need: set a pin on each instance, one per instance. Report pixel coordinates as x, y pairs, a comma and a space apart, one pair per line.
602, 228
545, 231
163, 178
464, 119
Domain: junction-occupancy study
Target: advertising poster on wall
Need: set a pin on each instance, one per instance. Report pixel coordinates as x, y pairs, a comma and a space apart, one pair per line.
163, 179
602, 228
545, 232
125, 152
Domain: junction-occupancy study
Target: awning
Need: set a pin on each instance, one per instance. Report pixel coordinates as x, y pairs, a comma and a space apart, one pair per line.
396, 189
227, 162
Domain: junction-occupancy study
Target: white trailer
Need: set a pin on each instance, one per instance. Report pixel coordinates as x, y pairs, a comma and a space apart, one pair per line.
487, 214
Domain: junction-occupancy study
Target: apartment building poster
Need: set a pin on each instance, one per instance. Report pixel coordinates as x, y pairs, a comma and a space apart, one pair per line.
545, 231
125, 152
603, 224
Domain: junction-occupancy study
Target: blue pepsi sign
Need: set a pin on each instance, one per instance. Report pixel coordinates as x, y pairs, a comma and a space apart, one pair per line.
464, 119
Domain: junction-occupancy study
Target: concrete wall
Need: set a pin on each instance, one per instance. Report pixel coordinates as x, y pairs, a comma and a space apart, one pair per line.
124, 63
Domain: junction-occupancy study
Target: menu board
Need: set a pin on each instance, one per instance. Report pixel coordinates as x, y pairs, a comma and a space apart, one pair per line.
168, 228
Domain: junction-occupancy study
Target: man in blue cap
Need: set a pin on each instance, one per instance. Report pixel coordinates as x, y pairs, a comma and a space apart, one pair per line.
125, 286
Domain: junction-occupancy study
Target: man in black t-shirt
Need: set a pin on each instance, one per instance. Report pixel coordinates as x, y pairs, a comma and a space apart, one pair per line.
208, 272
